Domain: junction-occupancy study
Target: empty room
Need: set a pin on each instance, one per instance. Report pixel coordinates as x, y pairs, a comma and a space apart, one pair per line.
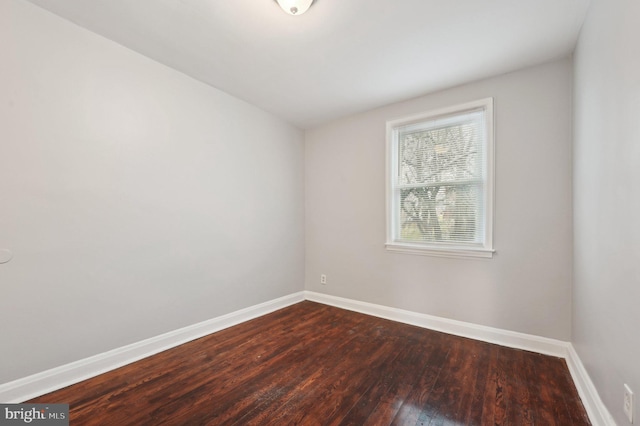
319, 212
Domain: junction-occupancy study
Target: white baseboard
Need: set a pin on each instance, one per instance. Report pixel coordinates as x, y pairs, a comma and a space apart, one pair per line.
597, 411
56, 378
498, 336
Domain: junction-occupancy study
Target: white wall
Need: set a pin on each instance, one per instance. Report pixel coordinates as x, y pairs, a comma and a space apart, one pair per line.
606, 318
526, 287
136, 200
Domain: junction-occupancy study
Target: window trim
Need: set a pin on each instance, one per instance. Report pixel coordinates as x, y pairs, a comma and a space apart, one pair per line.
484, 250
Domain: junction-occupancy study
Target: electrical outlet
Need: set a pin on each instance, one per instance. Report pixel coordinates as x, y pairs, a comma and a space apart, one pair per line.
628, 403
323, 279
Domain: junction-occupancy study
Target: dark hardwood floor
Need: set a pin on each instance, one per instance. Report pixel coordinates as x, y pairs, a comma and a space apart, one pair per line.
311, 364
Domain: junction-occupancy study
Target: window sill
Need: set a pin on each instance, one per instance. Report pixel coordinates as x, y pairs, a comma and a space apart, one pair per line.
455, 252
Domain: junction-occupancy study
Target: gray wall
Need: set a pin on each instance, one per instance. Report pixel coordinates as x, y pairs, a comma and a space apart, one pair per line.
136, 200
526, 287
606, 318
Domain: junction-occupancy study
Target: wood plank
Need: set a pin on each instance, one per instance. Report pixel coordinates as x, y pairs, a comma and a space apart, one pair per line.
383, 400
519, 406
306, 375
416, 403
311, 364
474, 408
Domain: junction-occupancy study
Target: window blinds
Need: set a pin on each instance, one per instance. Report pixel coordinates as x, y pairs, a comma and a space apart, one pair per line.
439, 181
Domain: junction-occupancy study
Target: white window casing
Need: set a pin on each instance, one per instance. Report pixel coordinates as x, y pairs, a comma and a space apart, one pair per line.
440, 182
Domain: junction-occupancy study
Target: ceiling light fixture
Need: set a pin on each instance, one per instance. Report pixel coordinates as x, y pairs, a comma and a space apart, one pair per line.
295, 7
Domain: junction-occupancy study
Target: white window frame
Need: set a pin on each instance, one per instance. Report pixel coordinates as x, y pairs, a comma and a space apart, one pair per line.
483, 250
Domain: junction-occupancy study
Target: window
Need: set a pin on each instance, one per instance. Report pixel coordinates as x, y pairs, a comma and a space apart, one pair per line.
440, 182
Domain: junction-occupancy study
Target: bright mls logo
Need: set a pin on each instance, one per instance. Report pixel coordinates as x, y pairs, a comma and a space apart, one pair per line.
34, 414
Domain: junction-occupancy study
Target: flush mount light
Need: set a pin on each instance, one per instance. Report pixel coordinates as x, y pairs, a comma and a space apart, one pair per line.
295, 7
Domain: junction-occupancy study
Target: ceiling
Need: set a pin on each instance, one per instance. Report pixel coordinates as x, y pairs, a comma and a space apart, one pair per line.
342, 56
